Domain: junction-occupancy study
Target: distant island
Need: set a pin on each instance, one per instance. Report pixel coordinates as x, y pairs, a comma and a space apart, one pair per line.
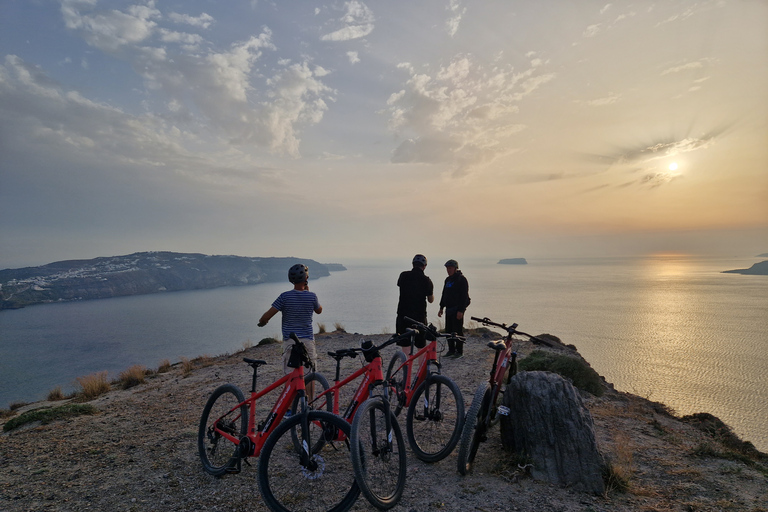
759, 269
764, 255
142, 273
513, 261
334, 267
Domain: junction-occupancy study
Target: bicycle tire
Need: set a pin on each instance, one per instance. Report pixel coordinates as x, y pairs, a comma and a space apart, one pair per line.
506, 423
475, 428
433, 436
213, 448
288, 486
323, 405
380, 472
397, 396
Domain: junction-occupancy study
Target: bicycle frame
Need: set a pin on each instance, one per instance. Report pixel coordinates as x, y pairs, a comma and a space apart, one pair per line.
257, 435
501, 363
427, 356
372, 375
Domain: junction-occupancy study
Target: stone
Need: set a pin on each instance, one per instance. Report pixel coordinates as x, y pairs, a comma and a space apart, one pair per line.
549, 426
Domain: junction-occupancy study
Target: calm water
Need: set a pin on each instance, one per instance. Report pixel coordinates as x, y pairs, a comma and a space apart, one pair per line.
672, 329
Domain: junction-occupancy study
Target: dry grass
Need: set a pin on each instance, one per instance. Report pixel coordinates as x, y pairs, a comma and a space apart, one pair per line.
186, 366
320, 328
56, 394
247, 344
203, 361
133, 376
94, 385
339, 327
619, 466
165, 366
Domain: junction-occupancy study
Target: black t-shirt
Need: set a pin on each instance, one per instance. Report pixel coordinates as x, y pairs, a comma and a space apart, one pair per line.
415, 287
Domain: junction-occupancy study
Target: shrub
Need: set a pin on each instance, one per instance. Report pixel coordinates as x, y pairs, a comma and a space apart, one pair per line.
722, 433
133, 376
17, 405
577, 370
55, 394
94, 385
165, 366
48, 415
339, 327
268, 341
186, 366
320, 328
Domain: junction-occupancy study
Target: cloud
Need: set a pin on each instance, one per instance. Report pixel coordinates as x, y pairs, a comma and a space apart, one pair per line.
684, 67
110, 30
457, 13
206, 85
460, 114
353, 57
601, 102
202, 21
358, 22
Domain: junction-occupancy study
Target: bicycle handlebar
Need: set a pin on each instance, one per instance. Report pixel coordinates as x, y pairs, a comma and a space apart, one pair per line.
512, 329
431, 329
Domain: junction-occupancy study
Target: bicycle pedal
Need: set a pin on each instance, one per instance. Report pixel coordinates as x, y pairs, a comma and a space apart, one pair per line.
503, 410
234, 469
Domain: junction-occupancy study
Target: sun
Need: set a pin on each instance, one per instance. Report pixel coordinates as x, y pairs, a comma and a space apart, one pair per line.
673, 166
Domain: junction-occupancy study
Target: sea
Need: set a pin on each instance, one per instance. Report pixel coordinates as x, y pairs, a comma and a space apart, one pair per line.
674, 329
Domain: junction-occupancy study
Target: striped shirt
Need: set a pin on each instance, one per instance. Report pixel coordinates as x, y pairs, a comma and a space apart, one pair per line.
297, 307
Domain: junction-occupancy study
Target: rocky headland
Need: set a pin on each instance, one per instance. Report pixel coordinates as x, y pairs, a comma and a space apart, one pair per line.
136, 450
142, 273
758, 269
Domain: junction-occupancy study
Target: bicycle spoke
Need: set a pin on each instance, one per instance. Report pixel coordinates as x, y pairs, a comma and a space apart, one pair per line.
322, 481
378, 455
435, 418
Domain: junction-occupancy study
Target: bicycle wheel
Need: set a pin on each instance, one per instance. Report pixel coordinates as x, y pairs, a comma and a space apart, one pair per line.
475, 428
218, 453
434, 419
379, 465
397, 395
324, 482
324, 404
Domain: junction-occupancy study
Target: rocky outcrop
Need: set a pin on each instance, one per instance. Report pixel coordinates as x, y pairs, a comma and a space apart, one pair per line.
549, 426
138, 274
759, 269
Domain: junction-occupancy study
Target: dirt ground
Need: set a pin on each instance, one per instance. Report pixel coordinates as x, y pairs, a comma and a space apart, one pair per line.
139, 453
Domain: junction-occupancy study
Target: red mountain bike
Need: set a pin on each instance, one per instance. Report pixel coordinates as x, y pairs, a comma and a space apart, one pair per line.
291, 475
435, 404
377, 446
485, 409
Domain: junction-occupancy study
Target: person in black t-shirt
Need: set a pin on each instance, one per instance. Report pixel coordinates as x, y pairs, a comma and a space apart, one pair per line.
455, 300
415, 290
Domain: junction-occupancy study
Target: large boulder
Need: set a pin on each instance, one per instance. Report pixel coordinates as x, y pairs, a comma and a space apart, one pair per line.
549, 426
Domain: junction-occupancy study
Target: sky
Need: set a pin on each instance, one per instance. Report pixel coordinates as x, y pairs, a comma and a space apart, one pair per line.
348, 129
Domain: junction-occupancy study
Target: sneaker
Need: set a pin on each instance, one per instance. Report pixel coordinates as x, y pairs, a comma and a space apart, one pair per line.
458, 355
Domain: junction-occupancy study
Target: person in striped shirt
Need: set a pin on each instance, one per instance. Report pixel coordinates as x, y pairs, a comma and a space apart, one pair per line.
297, 306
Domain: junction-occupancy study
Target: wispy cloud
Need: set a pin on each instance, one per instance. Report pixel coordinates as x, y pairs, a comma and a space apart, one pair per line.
457, 12
460, 113
358, 21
